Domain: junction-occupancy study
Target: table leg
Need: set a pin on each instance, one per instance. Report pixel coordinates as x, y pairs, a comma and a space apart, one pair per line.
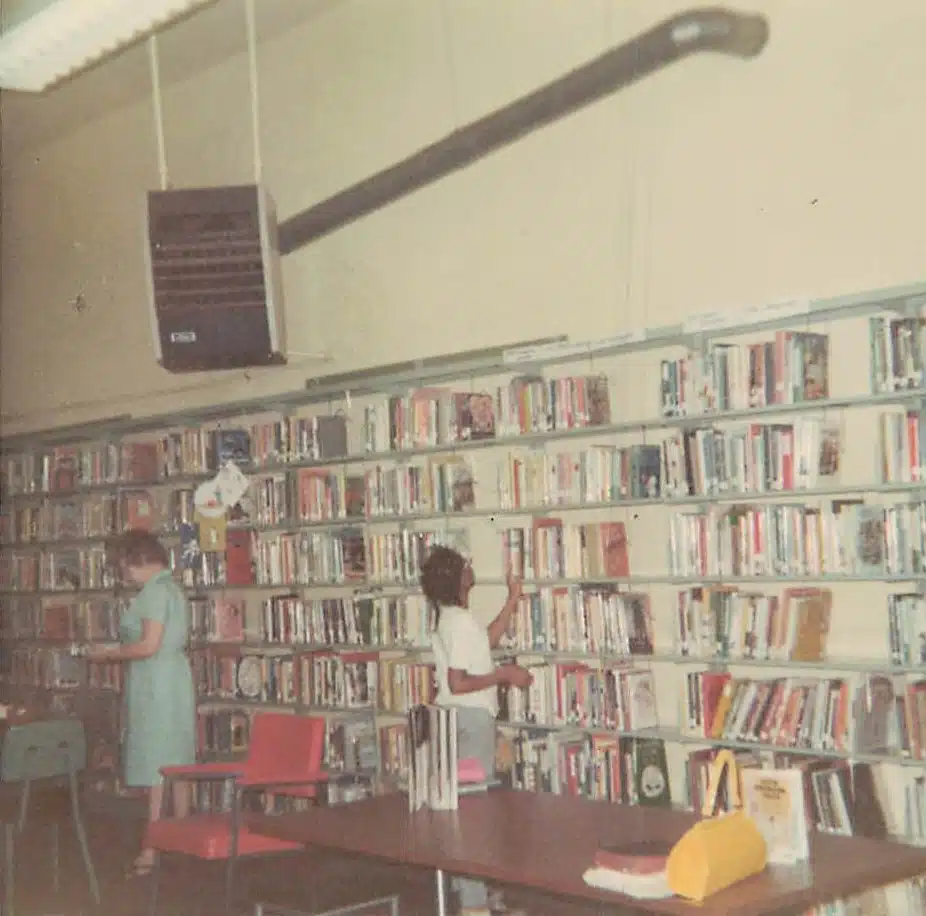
440, 880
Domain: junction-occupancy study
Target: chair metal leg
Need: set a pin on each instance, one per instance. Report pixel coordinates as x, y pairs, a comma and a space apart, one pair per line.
229, 884
56, 856
82, 840
9, 868
155, 883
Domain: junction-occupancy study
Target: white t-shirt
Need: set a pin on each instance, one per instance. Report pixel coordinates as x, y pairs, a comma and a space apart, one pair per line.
462, 642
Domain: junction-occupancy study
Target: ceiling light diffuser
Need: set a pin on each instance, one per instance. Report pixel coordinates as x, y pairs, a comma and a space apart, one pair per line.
53, 39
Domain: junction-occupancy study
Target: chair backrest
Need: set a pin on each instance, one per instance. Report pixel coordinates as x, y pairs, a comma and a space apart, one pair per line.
43, 750
286, 746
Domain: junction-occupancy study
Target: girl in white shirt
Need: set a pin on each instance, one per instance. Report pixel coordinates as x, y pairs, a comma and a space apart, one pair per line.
467, 677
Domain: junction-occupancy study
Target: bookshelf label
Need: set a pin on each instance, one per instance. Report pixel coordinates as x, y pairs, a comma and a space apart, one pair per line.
721, 321
625, 338
581, 348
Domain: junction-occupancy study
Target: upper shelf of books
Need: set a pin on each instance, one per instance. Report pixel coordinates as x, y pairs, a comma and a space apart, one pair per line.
783, 367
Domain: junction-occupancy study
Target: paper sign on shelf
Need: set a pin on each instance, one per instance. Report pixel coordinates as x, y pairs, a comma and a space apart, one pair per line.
721, 321
543, 351
582, 348
618, 340
215, 497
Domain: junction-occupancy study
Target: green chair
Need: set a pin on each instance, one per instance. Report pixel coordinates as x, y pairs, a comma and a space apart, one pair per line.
39, 766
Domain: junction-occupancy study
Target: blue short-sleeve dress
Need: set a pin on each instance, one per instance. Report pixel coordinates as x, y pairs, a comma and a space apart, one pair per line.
160, 699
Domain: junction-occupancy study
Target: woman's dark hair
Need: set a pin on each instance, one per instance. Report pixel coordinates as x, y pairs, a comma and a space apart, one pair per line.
136, 548
442, 578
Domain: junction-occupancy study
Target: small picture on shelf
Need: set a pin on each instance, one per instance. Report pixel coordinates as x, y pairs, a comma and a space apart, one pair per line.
231, 445
354, 496
354, 554
830, 451
871, 539
67, 570
475, 415
815, 349
599, 400
464, 491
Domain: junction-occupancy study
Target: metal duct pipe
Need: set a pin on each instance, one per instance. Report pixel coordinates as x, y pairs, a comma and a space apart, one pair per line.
712, 29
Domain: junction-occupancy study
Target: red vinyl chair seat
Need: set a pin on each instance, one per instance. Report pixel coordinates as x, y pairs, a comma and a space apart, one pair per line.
285, 757
208, 836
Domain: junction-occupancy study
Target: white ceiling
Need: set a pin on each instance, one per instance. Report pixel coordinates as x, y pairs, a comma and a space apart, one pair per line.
188, 47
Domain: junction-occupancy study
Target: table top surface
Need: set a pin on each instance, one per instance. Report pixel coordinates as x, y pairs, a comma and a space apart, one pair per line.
545, 842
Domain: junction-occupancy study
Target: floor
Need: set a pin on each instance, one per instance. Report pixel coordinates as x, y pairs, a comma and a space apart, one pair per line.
308, 883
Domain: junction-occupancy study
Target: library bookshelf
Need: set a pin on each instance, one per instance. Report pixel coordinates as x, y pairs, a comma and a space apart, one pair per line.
720, 527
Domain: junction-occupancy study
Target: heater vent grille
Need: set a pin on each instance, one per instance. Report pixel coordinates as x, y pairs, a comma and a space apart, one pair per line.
214, 269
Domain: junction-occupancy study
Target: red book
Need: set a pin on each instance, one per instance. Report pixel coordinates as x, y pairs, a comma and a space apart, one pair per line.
238, 556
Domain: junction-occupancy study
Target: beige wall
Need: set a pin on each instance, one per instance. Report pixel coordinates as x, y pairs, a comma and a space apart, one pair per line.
714, 184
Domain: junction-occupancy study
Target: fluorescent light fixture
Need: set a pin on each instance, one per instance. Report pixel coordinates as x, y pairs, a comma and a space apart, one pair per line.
49, 40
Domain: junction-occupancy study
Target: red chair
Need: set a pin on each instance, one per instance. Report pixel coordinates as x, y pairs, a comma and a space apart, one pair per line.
284, 756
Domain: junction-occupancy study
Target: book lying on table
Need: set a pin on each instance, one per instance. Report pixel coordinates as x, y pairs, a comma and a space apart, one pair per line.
636, 869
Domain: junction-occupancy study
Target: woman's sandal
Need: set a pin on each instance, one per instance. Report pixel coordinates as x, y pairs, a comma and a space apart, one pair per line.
138, 870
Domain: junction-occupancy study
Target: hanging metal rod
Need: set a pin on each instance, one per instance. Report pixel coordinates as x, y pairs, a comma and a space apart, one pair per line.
701, 30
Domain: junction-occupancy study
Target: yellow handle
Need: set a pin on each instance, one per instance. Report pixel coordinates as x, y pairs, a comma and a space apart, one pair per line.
724, 765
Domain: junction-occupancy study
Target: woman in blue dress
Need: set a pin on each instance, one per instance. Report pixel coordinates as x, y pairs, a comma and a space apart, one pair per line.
160, 702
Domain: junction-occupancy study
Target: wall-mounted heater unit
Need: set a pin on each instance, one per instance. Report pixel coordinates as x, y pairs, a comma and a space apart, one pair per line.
215, 281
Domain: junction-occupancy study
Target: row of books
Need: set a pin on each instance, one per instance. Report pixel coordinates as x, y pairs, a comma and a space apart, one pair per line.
750, 458
620, 769
56, 570
875, 714
382, 621
57, 669
789, 368
898, 353
595, 620
847, 537
530, 482
428, 417
903, 446
709, 623
321, 680
318, 680
96, 515
696, 462
610, 698
68, 468
548, 549
225, 675
723, 622
753, 458
717, 622
712, 623
59, 619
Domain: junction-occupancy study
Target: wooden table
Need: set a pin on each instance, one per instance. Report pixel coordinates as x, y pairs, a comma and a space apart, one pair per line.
545, 842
